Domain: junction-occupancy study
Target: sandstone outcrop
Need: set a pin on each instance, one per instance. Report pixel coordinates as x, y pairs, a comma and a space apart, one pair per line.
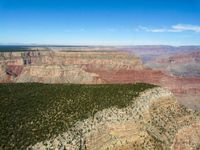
154, 120
187, 138
57, 74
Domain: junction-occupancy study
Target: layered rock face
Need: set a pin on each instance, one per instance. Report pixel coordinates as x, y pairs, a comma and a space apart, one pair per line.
154, 120
63, 67
57, 74
180, 64
179, 69
176, 84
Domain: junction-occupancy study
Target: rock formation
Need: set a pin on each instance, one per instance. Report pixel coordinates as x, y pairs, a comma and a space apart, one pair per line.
187, 138
63, 67
99, 67
180, 64
57, 74
154, 120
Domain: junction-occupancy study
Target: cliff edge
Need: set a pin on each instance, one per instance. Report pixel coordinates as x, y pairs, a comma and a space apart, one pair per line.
154, 120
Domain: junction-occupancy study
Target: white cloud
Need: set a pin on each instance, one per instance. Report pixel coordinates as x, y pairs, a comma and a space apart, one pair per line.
186, 27
173, 28
157, 29
152, 30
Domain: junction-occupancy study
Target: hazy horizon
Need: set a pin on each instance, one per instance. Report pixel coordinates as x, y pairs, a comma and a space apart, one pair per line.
96, 45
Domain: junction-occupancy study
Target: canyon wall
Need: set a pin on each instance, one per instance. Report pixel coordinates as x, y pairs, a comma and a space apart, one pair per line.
63, 67
106, 67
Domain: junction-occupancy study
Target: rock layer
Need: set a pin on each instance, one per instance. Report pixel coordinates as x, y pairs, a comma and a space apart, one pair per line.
63, 67
57, 74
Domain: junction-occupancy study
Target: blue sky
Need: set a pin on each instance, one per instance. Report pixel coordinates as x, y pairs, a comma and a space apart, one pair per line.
100, 22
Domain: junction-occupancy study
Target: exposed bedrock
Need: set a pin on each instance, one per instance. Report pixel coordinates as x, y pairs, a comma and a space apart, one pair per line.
154, 120
185, 64
63, 67
101, 67
187, 138
57, 74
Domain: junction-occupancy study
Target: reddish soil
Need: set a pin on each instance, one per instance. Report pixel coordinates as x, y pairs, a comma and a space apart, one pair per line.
15, 69
176, 84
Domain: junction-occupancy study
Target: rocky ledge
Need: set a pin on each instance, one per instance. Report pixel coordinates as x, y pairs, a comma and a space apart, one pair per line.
154, 120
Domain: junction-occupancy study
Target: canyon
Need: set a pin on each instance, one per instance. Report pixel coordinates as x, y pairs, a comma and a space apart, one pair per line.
164, 117
176, 70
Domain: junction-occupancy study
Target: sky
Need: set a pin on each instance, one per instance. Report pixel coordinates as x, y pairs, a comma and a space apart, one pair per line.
100, 22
